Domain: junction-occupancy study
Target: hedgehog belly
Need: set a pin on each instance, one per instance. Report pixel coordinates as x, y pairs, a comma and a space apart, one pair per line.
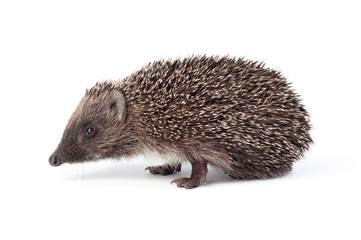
167, 157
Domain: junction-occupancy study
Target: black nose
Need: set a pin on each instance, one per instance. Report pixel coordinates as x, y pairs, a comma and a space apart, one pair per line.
55, 160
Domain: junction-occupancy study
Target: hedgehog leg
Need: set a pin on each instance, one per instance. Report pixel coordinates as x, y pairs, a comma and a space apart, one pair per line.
165, 169
198, 176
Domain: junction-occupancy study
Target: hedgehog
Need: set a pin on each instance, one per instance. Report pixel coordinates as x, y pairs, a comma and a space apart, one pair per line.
235, 115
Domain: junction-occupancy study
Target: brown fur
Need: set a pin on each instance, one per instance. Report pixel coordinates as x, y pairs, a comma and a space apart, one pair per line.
233, 114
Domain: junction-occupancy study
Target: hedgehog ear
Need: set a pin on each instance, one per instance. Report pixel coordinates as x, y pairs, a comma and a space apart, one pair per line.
117, 104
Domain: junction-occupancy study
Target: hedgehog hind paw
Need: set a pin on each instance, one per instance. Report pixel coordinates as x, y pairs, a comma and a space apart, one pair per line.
198, 176
165, 169
188, 183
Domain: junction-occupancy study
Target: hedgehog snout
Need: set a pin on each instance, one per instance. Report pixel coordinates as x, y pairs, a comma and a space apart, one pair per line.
55, 160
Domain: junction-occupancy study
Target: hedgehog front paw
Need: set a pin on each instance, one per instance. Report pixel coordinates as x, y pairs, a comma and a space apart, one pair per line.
189, 183
165, 169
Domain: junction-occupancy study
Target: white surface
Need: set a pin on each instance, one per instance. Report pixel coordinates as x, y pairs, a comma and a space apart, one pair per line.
50, 52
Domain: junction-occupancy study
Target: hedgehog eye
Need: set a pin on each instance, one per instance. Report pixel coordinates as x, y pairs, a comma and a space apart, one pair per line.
89, 131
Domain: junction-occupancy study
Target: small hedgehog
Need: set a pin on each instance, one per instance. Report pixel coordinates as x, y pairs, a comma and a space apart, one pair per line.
232, 114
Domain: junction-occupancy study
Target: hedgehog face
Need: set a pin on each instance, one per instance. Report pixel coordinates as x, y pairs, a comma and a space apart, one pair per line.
77, 144
94, 130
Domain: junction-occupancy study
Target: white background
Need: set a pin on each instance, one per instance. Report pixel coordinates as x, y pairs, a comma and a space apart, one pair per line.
51, 51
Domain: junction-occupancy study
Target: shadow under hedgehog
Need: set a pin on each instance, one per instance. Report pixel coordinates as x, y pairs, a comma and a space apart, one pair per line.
233, 114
